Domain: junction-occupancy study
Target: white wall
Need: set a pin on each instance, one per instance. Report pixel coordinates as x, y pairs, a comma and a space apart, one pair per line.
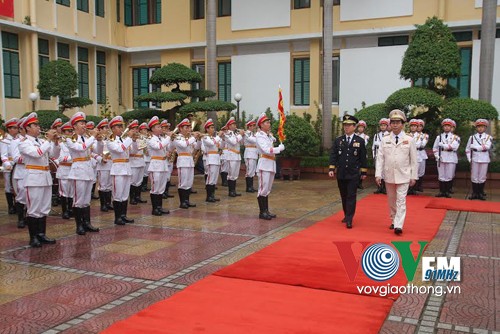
371, 9
370, 75
474, 89
257, 14
479, 3
256, 77
145, 58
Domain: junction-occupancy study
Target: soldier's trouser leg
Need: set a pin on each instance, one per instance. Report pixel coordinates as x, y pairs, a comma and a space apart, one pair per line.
18, 185
234, 169
396, 197
479, 172
266, 180
37, 201
105, 181
82, 193
421, 168
158, 182
121, 187
186, 176
137, 173
251, 167
213, 174
349, 188
66, 188
7, 183
9, 195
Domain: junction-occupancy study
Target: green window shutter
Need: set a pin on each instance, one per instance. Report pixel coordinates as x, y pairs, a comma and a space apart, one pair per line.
336, 80
43, 46
99, 8
128, 12
83, 54
297, 81
143, 11
158, 12
83, 5
63, 51
83, 76
10, 41
101, 84
101, 57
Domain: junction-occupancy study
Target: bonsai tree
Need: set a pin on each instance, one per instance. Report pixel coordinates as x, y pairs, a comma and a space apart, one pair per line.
301, 139
172, 76
466, 110
59, 78
433, 53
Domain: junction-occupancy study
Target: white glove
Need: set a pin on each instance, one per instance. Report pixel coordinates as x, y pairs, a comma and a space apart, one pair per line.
281, 147
442, 144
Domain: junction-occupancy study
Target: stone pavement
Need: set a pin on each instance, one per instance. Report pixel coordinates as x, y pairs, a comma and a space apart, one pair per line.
83, 284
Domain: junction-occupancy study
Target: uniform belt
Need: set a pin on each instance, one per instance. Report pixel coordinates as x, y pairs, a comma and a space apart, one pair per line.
234, 151
184, 154
65, 164
136, 155
158, 158
10, 159
37, 167
120, 160
81, 159
213, 152
251, 146
421, 149
267, 156
448, 150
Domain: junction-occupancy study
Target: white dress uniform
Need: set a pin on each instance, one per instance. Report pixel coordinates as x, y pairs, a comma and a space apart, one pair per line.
365, 137
65, 161
213, 158
18, 177
137, 166
121, 172
82, 172
7, 162
478, 154
397, 159
251, 156
448, 144
421, 139
103, 169
233, 157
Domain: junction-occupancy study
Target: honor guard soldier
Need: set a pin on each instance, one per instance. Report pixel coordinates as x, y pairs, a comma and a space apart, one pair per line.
377, 140
413, 123
158, 170
104, 166
477, 151
251, 155
7, 161
121, 173
143, 131
185, 144
56, 125
420, 142
165, 126
360, 132
224, 165
137, 165
36, 153
90, 126
82, 172
212, 142
348, 164
66, 185
445, 151
266, 167
19, 175
397, 161
233, 140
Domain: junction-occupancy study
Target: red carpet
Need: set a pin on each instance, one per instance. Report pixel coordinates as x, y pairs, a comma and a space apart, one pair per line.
218, 305
310, 258
464, 205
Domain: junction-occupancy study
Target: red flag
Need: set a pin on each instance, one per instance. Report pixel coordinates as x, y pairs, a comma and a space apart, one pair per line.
7, 8
281, 110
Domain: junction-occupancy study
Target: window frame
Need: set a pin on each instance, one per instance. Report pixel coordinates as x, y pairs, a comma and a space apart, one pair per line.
66, 3
140, 88
134, 12
393, 40
468, 76
100, 77
226, 86
222, 8
43, 59
198, 9
12, 55
99, 8
336, 88
302, 82
301, 4
83, 81
80, 5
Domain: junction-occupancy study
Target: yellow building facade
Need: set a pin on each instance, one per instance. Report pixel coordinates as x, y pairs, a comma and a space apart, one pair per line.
115, 45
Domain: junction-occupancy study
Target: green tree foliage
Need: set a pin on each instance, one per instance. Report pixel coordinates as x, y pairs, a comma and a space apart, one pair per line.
466, 110
408, 99
301, 138
433, 52
143, 115
372, 114
95, 119
47, 117
59, 78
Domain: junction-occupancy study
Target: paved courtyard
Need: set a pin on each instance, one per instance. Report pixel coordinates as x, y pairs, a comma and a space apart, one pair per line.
83, 284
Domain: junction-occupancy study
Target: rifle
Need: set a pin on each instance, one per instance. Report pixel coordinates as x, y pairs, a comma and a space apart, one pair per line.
439, 149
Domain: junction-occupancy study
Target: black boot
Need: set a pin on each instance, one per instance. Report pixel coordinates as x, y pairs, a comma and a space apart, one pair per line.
420, 182
447, 189
262, 209
108, 195
249, 181
87, 225
212, 193
42, 229
450, 187
209, 194
64, 208
266, 202
232, 188
384, 191
473, 195
480, 191
182, 199
166, 194
93, 196
20, 215
144, 185
441, 189
125, 219
154, 204
10, 203
118, 212
33, 231
132, 195
102, 199
138, 195
70, 206
223, 177
188, 192
80, 230
160, 205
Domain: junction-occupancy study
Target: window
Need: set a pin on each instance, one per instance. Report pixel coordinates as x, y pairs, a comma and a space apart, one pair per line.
118, 11
198, 9
301, 82
299, 4
224, 8
83, 72
224, 78
141, 86
63, 51
99, 8
140, 12
462, 83
82, 5
463, 36
199, 68
393, 40
64, 2
11, 75
43, 58
119, 79
335, 79
101, 77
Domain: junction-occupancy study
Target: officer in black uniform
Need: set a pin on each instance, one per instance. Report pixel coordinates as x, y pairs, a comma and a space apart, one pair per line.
348, 164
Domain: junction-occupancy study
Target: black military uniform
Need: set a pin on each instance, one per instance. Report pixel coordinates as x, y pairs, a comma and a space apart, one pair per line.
348, 161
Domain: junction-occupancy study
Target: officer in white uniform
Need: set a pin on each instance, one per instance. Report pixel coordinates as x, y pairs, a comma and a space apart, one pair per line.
36, 153
420, 142
137, 166
143, 130
165, 126
185, 144
82, 172
361, 133
211, 141
445, 151
158, 170
104, 166
377, 139
66, 185
19, 175
413, 123
224, 165
7, 161
397, 159
266, 167
478, 154
251, 155
233, 141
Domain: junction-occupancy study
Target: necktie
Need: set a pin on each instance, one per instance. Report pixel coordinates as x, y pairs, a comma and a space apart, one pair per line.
397, 140
479, 136
83, 139
36, 139
348, 140
121, 139
446, 136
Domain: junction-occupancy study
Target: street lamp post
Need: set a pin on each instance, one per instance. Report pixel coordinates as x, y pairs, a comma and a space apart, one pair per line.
33, 97
237, 98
